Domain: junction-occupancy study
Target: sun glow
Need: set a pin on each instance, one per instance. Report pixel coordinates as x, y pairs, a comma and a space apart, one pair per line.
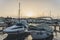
29, 14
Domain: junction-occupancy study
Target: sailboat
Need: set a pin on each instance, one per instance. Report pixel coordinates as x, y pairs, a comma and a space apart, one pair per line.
19, 27
17, 31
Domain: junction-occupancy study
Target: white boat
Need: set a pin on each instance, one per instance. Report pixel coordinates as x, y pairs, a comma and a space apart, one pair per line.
2, 23
19, 27
42, 32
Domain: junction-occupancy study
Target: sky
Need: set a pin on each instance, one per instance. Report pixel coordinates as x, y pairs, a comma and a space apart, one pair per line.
30, 8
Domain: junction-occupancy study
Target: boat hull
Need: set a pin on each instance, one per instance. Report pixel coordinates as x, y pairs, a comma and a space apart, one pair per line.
48, 38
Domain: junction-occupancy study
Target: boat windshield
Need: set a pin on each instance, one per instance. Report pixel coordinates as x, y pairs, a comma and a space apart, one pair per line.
19, 24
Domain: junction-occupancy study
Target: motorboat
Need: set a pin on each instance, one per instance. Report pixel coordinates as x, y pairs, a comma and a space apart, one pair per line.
19, 27
42, 32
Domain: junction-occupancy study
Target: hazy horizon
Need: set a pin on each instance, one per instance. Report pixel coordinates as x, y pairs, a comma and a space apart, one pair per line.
30, 8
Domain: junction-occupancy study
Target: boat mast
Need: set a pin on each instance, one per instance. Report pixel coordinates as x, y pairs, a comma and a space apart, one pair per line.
50, 13
19, 10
